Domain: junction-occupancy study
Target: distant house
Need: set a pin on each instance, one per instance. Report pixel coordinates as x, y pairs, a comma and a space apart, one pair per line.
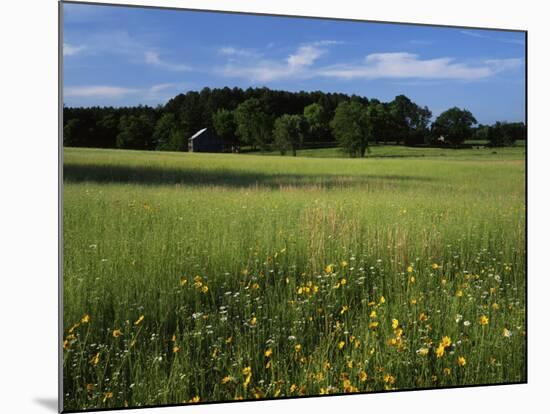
206, 141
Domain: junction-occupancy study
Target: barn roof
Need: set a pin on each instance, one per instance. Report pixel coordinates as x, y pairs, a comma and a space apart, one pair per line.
198, 133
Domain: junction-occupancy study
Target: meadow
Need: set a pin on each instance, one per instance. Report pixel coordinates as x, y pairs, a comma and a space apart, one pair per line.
212, 277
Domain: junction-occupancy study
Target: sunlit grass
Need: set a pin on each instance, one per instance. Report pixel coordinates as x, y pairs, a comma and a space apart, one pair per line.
208, 277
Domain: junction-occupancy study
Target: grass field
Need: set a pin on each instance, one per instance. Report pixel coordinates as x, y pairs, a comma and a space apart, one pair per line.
209, 277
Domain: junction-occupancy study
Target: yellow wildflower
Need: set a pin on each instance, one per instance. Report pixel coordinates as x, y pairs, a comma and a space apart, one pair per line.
440, 351
343, 281
66, 344
183, 281
343, 263
95, 359
459, 293
107, 395
373, 314
435, 266
483, 320
341, 344
195, 399
423, 317
506, 333
363, 376
85, 318
204, 289
139, 320
447, 371
227, 379
461, 361
382, 299
394, 323
389, 379
293, 388
229, 340
446, 341
117, 333
344, 310
409, 269
373, 325
268, 352
175, 349
253, 321
329, 268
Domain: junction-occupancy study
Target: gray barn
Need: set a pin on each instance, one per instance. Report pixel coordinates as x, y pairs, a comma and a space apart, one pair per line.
206, 141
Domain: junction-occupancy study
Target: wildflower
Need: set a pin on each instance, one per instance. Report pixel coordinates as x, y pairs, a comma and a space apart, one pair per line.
373, 325
461, 361
423, 317
297, 347
483, 320
495, 306
195, 399
268, 365
409, 269
343, 263
107, 395
85, 318
459, 293
467, 323
382, 299
447, 371
423, 351
343, 281
139, 320
341, 344
253, 321
440, 351
389, 379
117, 333
174, 338
413, 301
506, 333
247, 372
255, 286
66, 344
435, 266
95, 359
329, 268
229, 340
204, 289
227, 379
175, 349
344, 310
446, 341
412, 279
293, 388
394, 323
183, 281
268, 352
363, 376
373, 314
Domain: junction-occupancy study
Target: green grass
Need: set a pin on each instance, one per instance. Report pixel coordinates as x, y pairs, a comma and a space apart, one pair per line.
301, 258
400, 151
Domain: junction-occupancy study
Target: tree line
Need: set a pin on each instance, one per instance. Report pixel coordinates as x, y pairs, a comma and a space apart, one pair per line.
261, 118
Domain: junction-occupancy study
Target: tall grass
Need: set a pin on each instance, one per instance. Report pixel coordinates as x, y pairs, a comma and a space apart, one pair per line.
194, 277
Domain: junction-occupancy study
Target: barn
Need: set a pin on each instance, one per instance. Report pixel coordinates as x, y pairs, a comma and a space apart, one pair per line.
206, 141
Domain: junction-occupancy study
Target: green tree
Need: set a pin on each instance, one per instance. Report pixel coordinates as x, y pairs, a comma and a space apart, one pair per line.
501, 134
288, 132
135, 132
410, 120
167, 136
254, 125
224, 125
350, 127
317, 121
454, 125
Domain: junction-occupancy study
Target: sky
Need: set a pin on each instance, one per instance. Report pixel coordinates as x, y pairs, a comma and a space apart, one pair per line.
125, 56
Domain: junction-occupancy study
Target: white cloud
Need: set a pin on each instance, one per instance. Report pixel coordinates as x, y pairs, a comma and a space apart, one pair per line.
70, 50
408, 65
233, 51
153, 58
162, 87
97, 91
294, 66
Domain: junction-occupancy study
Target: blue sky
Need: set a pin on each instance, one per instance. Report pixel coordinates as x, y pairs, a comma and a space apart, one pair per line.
128, 56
